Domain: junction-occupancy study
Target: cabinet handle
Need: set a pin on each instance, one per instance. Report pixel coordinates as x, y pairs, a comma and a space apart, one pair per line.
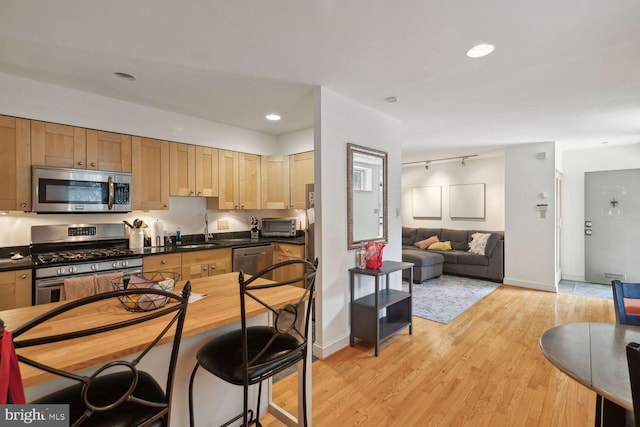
204, 268
191, 192
213, 267
93, 164
24, 276
163, 261
236, 206
164, 206
79, 163
23, 205
199, 193
242, 206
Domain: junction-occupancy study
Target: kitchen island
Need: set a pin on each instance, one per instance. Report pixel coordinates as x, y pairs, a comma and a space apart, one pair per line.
217, 313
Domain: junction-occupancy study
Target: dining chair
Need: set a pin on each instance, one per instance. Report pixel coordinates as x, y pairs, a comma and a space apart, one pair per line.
633, 361
251, 354
117, 393
626, 300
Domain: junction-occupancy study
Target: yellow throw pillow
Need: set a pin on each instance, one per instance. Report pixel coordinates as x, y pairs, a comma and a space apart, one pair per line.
441, 246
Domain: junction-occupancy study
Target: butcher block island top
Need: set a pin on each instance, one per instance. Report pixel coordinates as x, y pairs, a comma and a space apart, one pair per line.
220, 308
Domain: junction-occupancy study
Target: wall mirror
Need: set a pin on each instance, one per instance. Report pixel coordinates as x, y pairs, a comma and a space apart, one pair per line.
366, 195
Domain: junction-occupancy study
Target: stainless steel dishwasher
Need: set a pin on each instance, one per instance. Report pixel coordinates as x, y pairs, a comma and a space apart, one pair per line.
252, 259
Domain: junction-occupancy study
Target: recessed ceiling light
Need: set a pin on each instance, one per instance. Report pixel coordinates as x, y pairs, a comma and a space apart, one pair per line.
272, 117
604, 142
480, 50
125, 77
392, 99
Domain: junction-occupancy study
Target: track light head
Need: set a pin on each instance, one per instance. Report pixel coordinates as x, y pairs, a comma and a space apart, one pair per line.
426, 164
464, 163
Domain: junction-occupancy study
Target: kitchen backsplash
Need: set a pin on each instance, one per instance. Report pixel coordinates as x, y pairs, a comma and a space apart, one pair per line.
186, 213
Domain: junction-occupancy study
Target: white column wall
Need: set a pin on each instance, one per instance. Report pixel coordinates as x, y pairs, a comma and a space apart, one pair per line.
529, 239
575, 164
340, 120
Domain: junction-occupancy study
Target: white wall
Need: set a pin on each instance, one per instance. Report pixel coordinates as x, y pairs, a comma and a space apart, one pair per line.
529, 239
36, 100
575, 164
296, 142
340, 120
489, 171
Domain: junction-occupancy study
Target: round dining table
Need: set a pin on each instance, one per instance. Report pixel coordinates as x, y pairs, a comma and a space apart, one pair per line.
594, 354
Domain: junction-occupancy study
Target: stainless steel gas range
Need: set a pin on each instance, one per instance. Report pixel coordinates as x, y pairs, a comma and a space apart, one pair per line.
74, 250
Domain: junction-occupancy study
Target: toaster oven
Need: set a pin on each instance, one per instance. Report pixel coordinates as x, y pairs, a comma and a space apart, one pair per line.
279, 227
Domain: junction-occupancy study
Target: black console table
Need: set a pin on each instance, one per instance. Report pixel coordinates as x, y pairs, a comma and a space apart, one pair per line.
366, 322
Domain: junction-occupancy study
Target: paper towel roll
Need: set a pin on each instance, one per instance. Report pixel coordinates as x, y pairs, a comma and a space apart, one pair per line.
157, 233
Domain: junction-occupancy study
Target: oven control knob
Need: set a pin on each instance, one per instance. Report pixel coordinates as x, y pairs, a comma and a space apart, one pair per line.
72, 269
94, 267
114, 264
60, 271
125, 263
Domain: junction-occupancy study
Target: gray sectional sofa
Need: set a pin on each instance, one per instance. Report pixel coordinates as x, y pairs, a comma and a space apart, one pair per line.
432, 263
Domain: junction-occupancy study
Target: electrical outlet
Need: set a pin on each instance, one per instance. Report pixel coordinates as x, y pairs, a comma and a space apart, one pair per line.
223, 224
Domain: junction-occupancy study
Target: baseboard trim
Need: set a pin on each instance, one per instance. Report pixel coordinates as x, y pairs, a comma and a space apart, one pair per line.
530, 285
573, 278
326, 351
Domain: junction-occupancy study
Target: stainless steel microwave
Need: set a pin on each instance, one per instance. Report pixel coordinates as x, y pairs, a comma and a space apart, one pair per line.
279, 227
60, 190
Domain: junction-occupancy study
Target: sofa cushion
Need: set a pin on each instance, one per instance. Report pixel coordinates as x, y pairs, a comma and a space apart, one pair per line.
421, 258
425, 233
424, 244
478, 243
459, 238
472, 259
450, 257
409, 236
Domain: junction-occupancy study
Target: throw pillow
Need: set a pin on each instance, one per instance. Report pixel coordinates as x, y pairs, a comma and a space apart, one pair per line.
478, 243
441, 246
424, 244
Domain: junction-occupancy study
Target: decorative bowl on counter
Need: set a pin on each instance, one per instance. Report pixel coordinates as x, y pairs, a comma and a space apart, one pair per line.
161, 280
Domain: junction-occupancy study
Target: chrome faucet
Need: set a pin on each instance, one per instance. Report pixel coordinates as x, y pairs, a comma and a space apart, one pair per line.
206, 228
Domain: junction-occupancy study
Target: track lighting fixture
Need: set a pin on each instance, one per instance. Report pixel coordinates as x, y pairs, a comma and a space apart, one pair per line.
427, 162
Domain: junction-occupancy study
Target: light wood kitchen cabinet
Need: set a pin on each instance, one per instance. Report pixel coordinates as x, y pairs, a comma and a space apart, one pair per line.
275, 187
15, 289
108, 151
207, 171
58, 145
150, 175
163, 262
15, 164
182, 170
205, 263
285, 252
194, 170
239, 180
301, 174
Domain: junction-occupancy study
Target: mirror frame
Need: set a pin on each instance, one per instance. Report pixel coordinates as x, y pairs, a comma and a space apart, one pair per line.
351, 149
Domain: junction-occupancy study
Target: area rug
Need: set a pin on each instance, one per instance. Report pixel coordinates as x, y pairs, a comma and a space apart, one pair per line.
444, 298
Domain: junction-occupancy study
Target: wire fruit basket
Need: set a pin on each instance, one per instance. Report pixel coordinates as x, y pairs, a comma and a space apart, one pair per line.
163, 280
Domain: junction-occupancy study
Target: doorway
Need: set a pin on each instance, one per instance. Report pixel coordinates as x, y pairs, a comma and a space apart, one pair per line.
612, 226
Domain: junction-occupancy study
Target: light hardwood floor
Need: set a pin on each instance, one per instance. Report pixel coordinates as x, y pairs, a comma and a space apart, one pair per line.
482, 369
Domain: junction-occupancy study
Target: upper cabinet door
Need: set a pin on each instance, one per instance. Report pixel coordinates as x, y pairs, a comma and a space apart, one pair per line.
150, 179
108, 151
207, 168
15, 164
249, 180
58, 145
183, 169
228, 197
301, 166
274, 171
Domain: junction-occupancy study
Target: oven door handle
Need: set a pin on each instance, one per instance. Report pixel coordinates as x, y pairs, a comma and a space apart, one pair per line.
111, 193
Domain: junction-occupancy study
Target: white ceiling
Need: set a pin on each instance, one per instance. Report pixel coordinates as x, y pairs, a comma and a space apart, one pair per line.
566, 71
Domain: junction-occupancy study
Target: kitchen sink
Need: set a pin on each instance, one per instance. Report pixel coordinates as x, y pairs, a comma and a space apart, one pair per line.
201, 245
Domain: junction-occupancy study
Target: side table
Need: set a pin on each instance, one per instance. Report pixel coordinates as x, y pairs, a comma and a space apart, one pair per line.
366, 322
